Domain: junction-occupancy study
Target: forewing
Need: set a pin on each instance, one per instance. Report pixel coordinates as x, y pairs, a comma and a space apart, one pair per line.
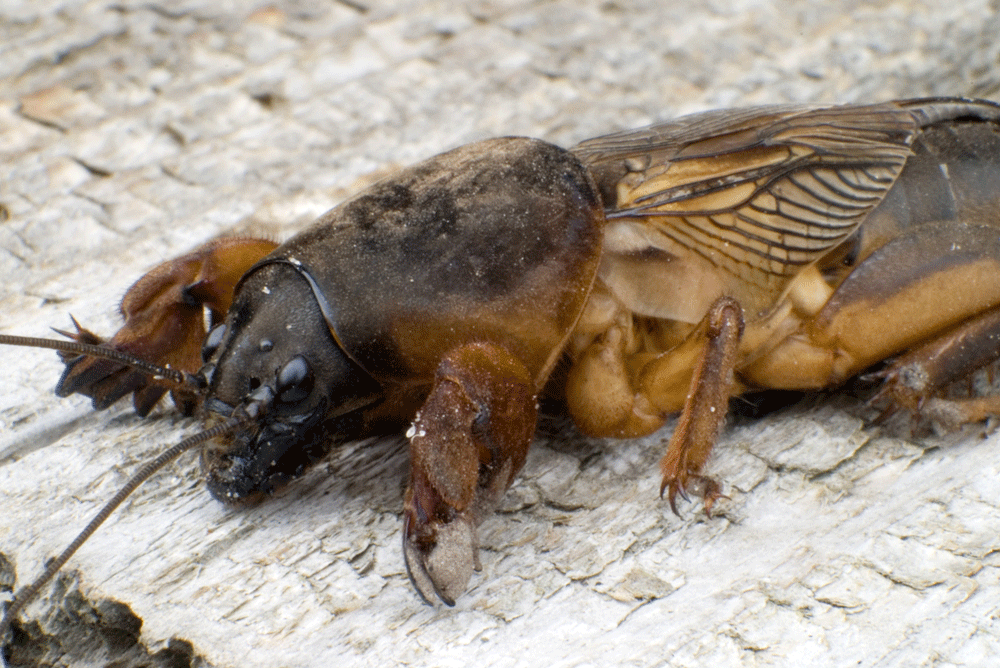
757, 192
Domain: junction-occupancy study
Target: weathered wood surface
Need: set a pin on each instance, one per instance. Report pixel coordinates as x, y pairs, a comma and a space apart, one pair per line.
131, 131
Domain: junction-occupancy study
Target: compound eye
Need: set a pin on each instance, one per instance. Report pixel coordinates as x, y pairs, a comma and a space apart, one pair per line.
295, 380
212, 342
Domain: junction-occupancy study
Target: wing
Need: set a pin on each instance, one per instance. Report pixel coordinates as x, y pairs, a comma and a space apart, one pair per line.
759, 192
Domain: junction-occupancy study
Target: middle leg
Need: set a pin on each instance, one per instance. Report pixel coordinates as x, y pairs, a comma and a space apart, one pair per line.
618, 389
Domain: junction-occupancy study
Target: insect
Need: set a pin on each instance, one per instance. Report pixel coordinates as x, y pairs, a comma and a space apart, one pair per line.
635, 276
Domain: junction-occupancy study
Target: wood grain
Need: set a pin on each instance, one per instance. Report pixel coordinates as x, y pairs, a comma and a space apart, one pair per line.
131, 132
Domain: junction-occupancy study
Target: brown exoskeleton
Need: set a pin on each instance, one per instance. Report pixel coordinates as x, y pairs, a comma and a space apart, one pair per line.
674, 267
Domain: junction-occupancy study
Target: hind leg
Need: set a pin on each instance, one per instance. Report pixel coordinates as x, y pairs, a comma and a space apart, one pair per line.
931, 296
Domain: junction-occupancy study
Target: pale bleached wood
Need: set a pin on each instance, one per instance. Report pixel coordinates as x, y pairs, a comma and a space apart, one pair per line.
131, 132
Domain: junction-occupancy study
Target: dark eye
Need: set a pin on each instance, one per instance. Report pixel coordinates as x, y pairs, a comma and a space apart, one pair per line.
295, 380
212, 342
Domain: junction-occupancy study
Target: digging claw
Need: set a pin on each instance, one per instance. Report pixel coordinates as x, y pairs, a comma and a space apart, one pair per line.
82, 335
104, 381
440, 558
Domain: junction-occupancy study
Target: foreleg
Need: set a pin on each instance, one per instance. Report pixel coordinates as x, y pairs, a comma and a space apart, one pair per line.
467, 442
164, 324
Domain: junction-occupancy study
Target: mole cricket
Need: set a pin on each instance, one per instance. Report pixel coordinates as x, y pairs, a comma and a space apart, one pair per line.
662, 270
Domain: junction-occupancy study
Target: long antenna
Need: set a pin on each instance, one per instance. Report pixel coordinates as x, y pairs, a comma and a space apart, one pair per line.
28, 594
166, 373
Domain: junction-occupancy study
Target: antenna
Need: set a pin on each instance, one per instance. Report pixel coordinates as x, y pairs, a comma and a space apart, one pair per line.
179, 378
28, 594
